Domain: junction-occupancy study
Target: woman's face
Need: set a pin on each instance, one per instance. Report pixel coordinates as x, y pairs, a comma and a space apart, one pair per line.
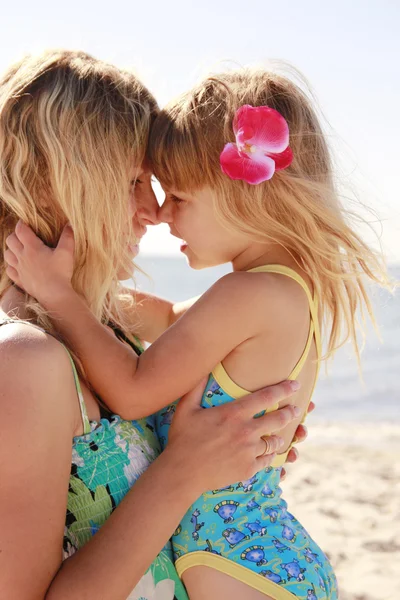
143, 209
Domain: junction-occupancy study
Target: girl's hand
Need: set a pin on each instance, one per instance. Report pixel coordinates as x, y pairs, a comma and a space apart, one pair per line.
223, 444
41, 271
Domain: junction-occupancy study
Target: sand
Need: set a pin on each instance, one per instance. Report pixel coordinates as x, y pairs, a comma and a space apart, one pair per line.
345, 489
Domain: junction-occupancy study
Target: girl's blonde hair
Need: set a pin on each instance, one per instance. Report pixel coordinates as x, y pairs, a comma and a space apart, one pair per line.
298, 208
71, 129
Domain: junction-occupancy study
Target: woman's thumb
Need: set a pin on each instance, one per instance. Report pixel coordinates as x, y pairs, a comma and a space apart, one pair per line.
192, 399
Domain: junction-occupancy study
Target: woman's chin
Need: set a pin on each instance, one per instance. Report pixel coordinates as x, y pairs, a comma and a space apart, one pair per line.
124, 274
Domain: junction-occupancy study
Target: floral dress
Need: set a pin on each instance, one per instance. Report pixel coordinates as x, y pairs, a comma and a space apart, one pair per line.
106, 462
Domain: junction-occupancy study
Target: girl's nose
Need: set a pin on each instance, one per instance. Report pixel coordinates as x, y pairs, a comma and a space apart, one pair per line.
165, 212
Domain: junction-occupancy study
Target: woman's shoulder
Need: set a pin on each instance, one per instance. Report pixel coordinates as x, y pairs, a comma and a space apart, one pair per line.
21, 342
35, 372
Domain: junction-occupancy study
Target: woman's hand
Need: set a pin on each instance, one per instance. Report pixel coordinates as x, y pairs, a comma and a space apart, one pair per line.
300, 435
224, 444
42, 272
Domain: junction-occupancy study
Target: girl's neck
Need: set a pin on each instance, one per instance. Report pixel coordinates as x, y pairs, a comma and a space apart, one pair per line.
257, 255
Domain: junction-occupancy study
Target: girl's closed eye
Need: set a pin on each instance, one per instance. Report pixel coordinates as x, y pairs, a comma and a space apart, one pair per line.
175, 199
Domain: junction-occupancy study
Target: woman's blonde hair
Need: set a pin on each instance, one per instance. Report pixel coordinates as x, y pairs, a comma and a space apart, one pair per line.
71, 129
298, 208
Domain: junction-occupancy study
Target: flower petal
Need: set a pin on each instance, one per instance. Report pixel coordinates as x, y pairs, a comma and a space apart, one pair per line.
283, 159
269, 129
145, 588
165, 590
247, 169
243, 134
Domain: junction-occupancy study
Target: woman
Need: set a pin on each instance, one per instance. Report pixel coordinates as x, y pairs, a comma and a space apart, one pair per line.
73, 135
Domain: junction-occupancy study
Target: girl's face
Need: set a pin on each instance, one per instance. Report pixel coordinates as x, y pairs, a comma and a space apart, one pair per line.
143, 209
205, 241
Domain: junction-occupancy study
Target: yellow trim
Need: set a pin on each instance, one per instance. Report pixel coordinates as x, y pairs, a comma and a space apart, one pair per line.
227, 384
280, 459
313, 303
223, 565
235, 391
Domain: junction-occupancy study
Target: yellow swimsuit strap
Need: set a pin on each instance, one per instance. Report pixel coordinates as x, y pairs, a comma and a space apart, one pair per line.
314, 333
234, 390
313, 304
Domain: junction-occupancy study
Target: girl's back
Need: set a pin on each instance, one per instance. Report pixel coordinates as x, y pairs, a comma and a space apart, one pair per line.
245, 530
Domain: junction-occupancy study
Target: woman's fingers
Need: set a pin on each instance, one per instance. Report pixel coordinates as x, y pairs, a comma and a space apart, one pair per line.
292, 456
265, 398
311, 407
270, 445
300, 434
14, 244
277, 420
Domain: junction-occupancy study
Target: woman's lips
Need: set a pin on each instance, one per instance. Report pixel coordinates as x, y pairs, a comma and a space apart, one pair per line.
134, 248
183, 246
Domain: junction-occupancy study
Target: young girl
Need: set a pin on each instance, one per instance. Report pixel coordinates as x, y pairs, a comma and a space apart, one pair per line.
248, 180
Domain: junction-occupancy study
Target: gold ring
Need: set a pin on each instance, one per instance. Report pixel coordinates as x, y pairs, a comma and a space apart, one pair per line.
267, 445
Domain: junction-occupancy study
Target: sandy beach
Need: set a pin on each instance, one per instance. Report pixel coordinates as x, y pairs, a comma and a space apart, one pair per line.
345, 489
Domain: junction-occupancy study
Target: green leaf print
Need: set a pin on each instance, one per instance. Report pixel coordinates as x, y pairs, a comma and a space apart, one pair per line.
90, 513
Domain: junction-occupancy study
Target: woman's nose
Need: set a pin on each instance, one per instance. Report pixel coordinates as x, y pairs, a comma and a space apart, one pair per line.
147, 211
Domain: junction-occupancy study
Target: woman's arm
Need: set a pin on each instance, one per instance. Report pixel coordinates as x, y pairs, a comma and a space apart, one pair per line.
138, 529
38, 420
37, 424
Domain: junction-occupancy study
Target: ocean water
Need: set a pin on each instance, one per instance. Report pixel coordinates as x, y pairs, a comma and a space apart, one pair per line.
340, 395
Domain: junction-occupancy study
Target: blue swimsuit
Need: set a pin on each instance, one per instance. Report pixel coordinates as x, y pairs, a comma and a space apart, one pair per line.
245, 529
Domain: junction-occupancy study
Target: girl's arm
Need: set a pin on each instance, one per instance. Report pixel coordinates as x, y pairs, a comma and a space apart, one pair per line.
35, 462
132, 386
151, 315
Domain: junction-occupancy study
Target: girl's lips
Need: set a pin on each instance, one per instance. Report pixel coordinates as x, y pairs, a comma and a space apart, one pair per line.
183, 246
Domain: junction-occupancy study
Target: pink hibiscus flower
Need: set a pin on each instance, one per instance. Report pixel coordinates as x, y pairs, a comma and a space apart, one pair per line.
262, 145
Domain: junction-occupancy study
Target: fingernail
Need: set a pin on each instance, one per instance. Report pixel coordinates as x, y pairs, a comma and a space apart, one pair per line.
295, 385
281, 441
296, 411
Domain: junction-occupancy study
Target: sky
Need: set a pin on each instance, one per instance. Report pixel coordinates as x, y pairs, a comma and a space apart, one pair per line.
349, 52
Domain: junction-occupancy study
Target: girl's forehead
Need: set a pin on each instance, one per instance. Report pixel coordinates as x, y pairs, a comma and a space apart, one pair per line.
143, 169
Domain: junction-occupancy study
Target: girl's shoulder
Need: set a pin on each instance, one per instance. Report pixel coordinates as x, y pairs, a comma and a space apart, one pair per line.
270, 294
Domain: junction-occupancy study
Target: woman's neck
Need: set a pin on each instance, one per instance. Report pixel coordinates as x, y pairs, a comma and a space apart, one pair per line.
13, 304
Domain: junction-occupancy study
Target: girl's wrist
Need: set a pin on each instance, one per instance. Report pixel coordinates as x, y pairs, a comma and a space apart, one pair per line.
57, 295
